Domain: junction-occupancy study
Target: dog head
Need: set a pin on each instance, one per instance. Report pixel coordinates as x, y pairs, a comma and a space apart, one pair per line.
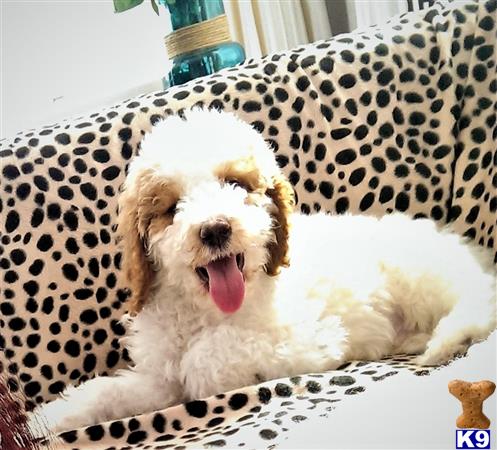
204, 209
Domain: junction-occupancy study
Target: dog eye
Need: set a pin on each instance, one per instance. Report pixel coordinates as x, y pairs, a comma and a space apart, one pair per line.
171, 211
236, 183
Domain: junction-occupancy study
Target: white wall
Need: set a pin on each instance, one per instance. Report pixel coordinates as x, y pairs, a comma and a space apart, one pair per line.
61, 58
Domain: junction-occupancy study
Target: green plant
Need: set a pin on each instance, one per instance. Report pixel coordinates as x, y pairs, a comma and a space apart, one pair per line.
124, 5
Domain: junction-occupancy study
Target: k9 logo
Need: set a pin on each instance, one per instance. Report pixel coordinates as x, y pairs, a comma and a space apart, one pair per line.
472, 439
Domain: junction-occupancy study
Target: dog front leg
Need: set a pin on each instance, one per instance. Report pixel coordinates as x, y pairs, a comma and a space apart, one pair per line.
102, 399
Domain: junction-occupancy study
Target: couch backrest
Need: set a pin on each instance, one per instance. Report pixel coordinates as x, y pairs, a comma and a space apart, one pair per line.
397, 118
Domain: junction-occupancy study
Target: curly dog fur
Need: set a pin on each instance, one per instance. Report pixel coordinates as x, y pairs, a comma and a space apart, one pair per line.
230, 287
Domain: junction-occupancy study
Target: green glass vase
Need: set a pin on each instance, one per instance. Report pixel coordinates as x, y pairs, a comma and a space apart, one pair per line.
200, 43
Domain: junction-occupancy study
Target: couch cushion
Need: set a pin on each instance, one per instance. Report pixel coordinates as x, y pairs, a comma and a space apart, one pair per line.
393, 118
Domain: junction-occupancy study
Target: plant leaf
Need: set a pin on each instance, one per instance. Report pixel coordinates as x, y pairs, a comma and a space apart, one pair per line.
124, 5
155, 7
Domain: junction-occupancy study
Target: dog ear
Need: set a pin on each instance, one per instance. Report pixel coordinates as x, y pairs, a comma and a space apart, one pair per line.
284, 200
132, 231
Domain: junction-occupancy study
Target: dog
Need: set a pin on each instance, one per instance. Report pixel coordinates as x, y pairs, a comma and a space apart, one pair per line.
230, 287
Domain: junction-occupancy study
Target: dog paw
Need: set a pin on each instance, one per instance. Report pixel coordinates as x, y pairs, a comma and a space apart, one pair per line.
440, 353
40, 427
53, 418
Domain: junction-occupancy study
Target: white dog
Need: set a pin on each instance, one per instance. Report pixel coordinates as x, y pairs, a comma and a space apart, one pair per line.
224, 295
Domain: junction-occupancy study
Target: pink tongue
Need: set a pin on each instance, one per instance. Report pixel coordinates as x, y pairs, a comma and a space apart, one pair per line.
226, 284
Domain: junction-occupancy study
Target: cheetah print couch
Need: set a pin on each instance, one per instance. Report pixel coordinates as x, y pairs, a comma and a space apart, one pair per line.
394, 118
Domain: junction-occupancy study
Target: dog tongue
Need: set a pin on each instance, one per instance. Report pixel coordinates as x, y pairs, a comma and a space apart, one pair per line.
226, 284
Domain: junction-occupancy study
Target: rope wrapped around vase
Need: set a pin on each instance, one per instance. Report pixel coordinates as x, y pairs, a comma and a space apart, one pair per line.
199, 35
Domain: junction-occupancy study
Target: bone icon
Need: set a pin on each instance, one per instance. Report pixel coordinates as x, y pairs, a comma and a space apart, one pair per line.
472, 396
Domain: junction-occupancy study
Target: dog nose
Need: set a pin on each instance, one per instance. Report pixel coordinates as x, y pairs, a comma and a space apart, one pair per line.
215, 233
